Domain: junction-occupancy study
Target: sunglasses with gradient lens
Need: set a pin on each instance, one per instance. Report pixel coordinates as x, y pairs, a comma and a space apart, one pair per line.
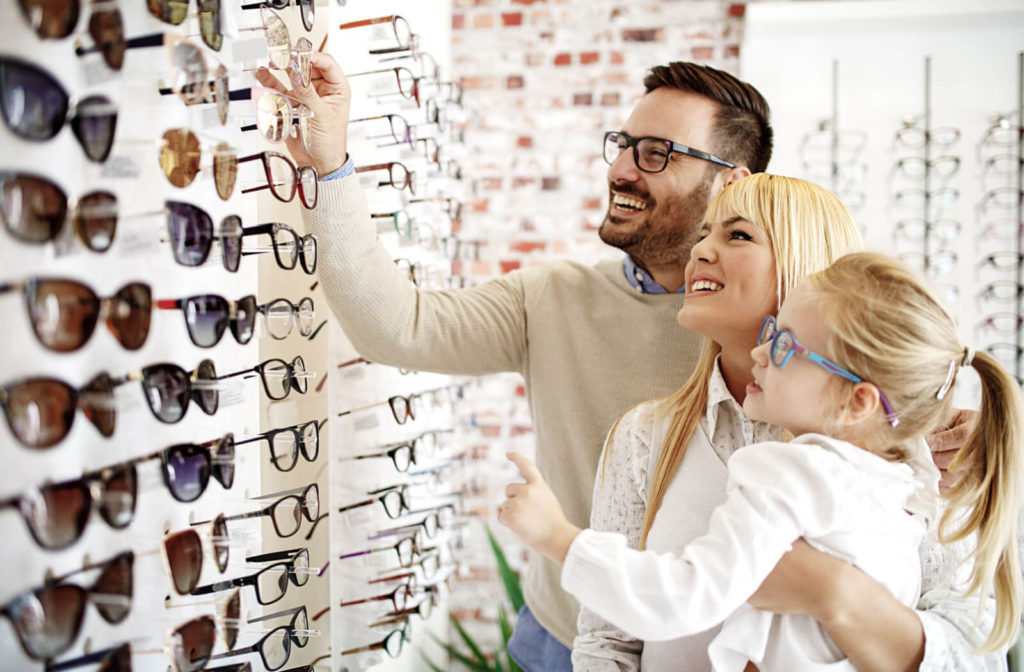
169, 389
48, 619
35, 107
64, 313
208, 316
183, 552
56, 514
187, 467
34, 210
40, 411
174, 12
180, 156
192, 235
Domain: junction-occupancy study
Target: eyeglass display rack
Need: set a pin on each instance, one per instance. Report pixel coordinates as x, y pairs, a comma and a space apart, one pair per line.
405, 140
142, 252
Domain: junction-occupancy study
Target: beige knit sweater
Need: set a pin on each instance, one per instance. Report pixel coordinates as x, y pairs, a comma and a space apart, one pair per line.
588, 345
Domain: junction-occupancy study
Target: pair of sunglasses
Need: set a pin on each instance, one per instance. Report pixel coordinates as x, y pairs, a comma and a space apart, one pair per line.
208, 316
174, 12
186, 467
169, 389
64, 312
35, 107
40, 411
181, 155
183, 553
34, 210
56, 514
48, 619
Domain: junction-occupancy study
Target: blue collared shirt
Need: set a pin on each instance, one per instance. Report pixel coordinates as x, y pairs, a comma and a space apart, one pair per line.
641, 280
347, 168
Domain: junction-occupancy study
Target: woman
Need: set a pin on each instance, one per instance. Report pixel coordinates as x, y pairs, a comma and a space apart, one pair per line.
664, 465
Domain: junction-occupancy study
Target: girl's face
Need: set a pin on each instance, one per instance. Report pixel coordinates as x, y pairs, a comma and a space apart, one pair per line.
730, 282
795, 396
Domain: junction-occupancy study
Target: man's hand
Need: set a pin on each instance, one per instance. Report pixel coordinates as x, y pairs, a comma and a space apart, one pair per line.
329, 97
801, 582
947, 440
532, 511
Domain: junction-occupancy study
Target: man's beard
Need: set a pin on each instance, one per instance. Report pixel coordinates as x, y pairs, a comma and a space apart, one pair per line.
665, 234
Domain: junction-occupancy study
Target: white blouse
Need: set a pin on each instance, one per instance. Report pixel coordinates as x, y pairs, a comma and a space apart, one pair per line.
620, 498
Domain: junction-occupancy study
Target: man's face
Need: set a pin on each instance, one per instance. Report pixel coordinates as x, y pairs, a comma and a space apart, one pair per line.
654, 217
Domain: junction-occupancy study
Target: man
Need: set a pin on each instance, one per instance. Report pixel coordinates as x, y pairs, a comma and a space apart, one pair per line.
590, 341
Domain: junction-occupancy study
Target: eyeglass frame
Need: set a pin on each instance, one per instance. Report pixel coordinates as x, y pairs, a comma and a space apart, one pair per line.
670, 145
770, 323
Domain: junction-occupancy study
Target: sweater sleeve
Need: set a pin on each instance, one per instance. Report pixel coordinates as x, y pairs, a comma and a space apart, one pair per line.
774, 490
465, 331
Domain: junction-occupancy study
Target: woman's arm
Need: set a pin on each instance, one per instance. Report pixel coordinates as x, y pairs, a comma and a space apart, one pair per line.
873, 629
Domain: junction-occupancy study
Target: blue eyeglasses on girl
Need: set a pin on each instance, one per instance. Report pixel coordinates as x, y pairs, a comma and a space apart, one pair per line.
784, 344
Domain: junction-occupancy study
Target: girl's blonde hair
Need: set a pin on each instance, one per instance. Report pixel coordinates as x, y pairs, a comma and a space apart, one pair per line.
808, 228
890, 328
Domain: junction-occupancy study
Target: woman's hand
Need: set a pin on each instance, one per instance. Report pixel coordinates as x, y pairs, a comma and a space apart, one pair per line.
946, 441
329, 97
532, 511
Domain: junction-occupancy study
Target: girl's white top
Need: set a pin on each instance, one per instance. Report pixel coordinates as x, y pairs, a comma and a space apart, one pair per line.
842, 499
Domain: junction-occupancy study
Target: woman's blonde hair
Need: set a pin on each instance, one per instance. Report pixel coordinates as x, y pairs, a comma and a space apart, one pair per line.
889, 328
808, 228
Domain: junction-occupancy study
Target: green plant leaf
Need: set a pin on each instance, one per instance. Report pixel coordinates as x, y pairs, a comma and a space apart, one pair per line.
508, 577
474, 665
477, 653
430, 663
506, 627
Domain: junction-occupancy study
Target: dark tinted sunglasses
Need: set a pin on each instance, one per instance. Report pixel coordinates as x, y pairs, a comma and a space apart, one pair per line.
40, 411
168, 389
34, 210
183, 552
64, 312
115, 659
49, 619
35, 107
187, 467
208, 316
56, 514
192, 235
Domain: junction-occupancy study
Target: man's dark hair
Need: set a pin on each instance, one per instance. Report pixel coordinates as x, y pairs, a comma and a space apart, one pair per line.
742, 133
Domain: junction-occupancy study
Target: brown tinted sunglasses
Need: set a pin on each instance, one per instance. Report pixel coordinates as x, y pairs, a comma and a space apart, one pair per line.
40, 411
64, 313
34, 210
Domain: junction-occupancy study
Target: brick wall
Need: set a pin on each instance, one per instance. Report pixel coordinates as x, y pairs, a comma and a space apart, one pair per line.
543, 79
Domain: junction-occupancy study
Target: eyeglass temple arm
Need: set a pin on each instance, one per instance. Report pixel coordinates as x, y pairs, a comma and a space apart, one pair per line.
89, 658
275, 555
358, 554
237, 652
255, 369
277, 614
365, 502
151, 40
223, 585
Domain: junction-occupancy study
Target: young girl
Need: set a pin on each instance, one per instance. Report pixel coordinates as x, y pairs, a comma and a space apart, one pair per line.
858, 366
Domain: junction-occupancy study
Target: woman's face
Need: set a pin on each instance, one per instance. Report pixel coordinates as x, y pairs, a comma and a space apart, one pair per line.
730, 282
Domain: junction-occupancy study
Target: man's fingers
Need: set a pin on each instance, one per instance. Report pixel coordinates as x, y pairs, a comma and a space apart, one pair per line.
326, 68
268, 80
512, 489
526, 467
